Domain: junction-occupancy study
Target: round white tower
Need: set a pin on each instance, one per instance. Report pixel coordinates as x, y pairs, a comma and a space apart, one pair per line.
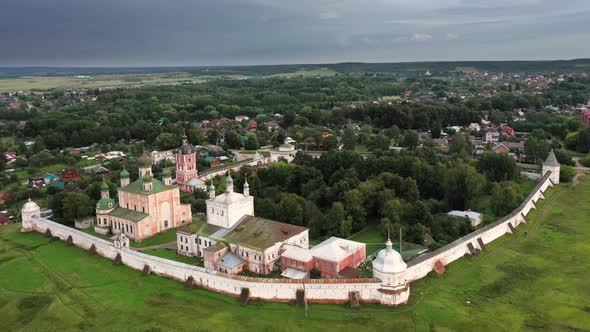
390, 268
29, 213
552, 165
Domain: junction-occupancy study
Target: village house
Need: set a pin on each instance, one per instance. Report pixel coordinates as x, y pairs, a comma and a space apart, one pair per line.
71, 175
585, 116
159, 156
474, 217
491, 136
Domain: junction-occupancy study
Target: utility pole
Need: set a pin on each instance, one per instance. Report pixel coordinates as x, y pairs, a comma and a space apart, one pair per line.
400, 241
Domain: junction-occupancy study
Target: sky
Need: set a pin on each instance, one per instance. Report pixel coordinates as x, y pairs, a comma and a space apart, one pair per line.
251, 32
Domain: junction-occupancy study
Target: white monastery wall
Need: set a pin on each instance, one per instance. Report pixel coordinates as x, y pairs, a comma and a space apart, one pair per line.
318, 290
421, 266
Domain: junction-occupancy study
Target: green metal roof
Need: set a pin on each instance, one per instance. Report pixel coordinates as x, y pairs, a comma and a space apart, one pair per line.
127, 214
136, 187
260, 234
103, 204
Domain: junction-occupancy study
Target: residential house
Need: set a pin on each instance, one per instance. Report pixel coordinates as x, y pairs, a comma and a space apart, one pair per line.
70, 175
474, 217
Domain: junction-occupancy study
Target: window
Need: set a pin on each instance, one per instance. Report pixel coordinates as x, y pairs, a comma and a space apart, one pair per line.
165, 224
196, 240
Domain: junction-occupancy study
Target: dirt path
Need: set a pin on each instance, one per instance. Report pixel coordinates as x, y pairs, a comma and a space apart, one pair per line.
167, 245
580, 171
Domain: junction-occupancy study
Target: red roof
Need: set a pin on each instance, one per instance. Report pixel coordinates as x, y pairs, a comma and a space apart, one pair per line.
4, 219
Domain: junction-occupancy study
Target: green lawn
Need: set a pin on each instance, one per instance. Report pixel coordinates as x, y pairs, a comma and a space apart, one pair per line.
160, 238
375, 240
533, 280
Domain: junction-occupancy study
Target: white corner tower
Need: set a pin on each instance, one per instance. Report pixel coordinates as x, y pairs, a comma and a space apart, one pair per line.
29, 213
552, 165
390, 268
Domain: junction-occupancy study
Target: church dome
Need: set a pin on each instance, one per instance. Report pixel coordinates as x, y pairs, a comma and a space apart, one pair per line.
124, 174
144, 160
186, 149
104, 186
166, 172
30, 206
106, 204
147, 178
389, 260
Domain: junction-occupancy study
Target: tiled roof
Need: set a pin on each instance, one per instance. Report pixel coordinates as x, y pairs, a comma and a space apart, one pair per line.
259, 233
127, 214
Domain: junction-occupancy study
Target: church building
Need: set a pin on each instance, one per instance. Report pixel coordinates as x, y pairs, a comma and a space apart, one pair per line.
233, 240
145, 207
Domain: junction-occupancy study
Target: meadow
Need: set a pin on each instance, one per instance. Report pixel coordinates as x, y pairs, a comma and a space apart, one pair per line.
535, 279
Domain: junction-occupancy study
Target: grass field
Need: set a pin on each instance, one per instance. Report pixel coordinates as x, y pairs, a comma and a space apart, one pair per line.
533, 280
45, 83
307, 73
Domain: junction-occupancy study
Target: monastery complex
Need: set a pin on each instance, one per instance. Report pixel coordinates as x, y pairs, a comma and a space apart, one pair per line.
232, 240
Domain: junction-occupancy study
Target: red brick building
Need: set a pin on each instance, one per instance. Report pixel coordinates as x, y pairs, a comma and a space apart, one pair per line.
330, 258
585, 117
71, 175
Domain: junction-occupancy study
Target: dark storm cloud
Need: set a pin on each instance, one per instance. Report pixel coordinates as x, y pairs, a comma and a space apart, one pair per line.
183, 32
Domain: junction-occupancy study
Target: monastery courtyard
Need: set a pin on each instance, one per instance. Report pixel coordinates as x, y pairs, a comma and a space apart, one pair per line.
535, 279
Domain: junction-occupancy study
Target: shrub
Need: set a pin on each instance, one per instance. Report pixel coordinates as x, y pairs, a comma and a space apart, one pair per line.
585, 161
566, 173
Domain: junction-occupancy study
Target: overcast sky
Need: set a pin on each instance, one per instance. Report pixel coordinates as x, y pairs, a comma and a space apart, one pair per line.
237, 32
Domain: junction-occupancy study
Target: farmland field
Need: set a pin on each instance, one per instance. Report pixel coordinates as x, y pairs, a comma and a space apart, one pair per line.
533, 280
46, 83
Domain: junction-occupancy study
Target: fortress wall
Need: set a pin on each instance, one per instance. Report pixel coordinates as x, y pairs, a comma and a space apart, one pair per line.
423, 265
321, 290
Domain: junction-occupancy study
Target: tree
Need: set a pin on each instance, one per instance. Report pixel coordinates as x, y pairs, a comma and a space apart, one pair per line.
379, 143
251, 142
498, 167
167, 141
462, 185
410, 140
506, 197
583, 144
460, 145
355, 208
330, 143
291, 207
334, 217
76, 205
348, 139
39, 144
536, 150
232, 139
345, 227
